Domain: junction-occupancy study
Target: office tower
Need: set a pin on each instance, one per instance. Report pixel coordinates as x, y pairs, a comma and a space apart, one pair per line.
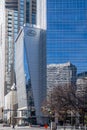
11, 24
60, 75
31, 71
66, 33
27, 12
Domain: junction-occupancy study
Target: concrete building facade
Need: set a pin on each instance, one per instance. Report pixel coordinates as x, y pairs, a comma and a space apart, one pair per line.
11, 105
2, 51
11, 24
60, 74
8, 32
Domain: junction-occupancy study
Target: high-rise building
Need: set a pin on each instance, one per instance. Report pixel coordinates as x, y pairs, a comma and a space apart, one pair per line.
66, 33
8, 32
31, 71
11, 24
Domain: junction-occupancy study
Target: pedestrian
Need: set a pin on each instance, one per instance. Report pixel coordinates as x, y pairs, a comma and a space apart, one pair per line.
13, 127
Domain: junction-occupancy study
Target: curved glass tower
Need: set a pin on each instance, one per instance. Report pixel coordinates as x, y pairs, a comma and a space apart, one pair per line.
31, 71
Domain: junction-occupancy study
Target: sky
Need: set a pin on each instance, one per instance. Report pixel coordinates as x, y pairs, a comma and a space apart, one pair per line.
67, 32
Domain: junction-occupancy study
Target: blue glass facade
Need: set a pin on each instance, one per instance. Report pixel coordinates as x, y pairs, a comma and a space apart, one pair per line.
31, 70
15, 24
28, 80
67, 32
21, 13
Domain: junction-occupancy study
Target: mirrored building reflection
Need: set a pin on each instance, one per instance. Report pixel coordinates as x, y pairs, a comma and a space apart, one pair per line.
66, 33
31, 72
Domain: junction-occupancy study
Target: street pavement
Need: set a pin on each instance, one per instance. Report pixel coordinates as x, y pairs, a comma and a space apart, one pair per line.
23, 128
34, 128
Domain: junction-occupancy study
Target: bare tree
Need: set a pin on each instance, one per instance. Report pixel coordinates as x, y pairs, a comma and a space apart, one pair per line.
63, 100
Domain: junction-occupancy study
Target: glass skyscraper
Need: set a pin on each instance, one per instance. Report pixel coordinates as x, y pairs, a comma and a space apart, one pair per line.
67, 33
31, 71
27, 12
